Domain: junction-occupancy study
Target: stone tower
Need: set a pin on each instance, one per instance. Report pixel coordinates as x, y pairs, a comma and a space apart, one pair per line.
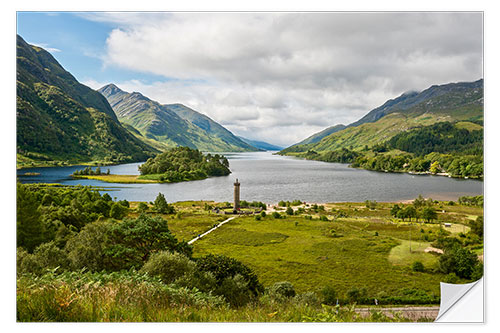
236, 195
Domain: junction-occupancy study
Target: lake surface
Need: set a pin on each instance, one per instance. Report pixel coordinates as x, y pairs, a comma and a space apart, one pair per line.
271, 178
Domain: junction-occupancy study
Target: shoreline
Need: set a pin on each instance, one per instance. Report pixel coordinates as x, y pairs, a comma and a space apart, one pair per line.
413, 173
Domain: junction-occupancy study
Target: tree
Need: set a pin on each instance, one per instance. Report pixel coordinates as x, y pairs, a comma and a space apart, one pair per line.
429, 214
132, 241
30, 229
143, 207
118, 211
289, 210
394, 210
87, 248
161, 206
458, 260
477, 226
410, 212
434, 167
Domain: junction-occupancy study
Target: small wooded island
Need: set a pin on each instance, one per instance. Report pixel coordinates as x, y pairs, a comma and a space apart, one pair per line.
175, 165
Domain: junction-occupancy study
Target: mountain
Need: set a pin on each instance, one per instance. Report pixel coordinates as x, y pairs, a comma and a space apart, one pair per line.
261, 144
448, 95
320, 135
450, 102
171, 124
60, 119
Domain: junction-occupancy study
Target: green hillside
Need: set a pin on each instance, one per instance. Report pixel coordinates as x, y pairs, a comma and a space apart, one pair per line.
60, 121
438, 131
171, 124
320, 135
455, 103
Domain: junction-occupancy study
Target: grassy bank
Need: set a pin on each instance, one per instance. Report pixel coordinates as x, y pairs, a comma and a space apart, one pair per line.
132, 297
123, 179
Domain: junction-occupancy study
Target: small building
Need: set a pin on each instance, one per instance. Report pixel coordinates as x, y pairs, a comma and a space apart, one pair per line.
447, 225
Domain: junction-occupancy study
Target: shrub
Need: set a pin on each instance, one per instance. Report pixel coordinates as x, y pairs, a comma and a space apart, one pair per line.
263, 214
143, 207
309, 299
417, 266
276, 215
45, 256
289, 210
168, 266
87, 248
282, 289
257, 217
235, 290
118, 211
451, 278
356, 295
328, 295
223, 267
458, 260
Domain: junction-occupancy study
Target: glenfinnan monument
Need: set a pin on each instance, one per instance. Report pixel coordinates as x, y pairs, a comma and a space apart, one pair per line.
236, 195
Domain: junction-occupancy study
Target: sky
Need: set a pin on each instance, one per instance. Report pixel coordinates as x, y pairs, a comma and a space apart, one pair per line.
275, 77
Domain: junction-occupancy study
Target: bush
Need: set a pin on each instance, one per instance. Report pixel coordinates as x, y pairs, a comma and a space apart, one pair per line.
356, 295
235, 290
257, 217
417, 266
263, 214
451, 278
289, 210
143, 207
118, 211
87, 248
276, 215
308, 299
323, 218
168, 266
328, 295
458, 260
282, 289
223, 267
45, 256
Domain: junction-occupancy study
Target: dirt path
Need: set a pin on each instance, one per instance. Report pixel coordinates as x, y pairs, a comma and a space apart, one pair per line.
413, 313
209, 231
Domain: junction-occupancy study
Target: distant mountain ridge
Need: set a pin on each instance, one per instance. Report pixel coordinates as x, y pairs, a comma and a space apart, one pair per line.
60, 119
449, 102
410, 99
171, 124
320, 135
261, 144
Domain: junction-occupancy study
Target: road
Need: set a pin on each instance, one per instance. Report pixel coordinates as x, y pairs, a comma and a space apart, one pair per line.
411, 312
209, 231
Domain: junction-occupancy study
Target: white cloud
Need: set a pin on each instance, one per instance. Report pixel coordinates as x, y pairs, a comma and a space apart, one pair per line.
282, 76
45, 47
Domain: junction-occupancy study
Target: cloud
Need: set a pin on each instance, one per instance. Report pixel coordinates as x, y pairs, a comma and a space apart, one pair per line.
45, 47
282, 76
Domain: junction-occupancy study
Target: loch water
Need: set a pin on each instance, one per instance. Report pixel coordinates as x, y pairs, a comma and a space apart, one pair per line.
270, 178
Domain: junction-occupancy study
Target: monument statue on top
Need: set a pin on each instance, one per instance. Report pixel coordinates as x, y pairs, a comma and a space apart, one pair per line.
236, 195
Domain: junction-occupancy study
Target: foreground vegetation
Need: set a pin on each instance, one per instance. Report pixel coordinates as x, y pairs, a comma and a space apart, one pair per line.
84, 257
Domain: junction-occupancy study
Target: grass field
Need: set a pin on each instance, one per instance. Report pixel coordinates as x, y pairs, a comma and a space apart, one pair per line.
124, 179
314, 254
